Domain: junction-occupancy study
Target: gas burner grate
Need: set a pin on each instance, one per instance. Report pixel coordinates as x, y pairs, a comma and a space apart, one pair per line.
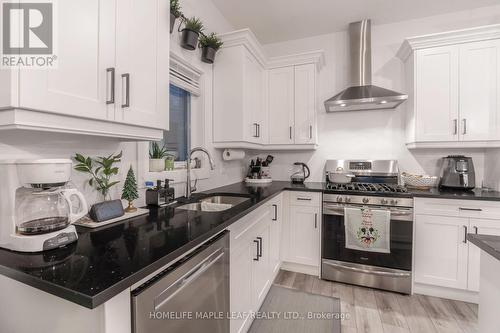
367, 187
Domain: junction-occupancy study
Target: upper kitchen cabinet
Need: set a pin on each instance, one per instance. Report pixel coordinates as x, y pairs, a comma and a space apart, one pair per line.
100, 85
454, 83
292, 105
261, 102
239, 114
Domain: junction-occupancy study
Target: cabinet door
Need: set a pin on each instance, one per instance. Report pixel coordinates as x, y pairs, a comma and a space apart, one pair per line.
241, 293
85, 49
480, 91
441, 251
281, 105
483, 227
253, 98
142, 57
437, 94
276, 227
305, 104
304, 235
261, 271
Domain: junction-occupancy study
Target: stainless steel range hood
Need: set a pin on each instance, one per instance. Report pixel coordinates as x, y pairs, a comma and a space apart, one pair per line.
362, 95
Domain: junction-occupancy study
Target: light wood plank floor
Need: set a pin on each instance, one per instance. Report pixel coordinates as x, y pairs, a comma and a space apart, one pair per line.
374, 311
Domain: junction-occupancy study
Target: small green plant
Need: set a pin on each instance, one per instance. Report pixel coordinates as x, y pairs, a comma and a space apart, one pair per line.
101, 169
157, 152
211, 41
175, 8
194, 24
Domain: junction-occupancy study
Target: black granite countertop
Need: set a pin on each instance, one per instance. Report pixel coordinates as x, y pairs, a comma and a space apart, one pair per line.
488, 243
105, 261
476, 194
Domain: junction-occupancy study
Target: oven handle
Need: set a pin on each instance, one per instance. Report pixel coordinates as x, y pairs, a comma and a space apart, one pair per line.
329, 209
368, 271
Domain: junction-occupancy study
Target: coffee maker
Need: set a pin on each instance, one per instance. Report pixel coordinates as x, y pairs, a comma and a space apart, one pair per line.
37, 206
457, 173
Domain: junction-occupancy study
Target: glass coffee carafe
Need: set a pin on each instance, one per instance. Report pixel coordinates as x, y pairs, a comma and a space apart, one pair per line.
40, 210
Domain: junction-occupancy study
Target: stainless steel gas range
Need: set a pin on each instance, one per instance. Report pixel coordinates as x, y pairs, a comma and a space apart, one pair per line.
373, 187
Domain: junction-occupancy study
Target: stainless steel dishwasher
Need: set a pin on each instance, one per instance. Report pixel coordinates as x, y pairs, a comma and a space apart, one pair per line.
190, 296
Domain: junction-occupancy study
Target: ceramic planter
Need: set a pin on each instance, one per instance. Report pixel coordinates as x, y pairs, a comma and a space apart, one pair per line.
208, 54
156, 164
189, 39
172, 22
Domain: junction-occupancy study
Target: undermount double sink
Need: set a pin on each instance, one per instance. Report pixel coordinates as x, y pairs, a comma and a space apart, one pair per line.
216, 203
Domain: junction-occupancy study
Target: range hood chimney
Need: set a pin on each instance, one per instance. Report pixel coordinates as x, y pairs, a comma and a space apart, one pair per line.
362, 95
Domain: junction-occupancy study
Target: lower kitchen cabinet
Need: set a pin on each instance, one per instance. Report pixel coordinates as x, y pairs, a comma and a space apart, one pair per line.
255, 261
441, 251
443, 256
301, 231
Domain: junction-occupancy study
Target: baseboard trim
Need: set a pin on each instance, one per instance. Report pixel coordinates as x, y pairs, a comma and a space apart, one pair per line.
300, 268
449, 293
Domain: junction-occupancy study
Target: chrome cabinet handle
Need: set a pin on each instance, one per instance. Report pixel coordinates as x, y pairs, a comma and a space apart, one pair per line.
111, 71
259, 253
316, 221
256, 258
290, 132
304, 199
275, 218
476, 230
310, 132
464, 126
455, 126
126, 76
258, 130
465, 234
471, 209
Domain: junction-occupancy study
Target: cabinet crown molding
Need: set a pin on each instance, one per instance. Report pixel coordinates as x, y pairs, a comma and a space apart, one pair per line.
248, 39
411, 44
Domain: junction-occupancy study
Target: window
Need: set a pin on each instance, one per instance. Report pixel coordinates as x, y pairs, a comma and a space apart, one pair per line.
177, 139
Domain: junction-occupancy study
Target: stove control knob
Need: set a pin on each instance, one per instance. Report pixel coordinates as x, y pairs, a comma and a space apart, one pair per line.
339, 198
384, 201
366, 200
347, 199
394, 202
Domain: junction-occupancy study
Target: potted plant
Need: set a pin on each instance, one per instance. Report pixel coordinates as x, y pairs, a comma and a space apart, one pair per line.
191, 32
175, 13
100, 169
209, 46
157, 155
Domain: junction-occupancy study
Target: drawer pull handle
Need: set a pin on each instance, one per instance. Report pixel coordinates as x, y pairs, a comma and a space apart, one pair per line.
304, 199
471, 209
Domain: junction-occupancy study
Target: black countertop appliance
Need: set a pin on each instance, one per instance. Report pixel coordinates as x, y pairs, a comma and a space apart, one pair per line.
457, 173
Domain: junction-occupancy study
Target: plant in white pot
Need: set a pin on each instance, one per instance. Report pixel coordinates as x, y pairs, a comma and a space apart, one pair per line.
157, 156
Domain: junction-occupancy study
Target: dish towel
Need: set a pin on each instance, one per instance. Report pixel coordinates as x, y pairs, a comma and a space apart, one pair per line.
367, 229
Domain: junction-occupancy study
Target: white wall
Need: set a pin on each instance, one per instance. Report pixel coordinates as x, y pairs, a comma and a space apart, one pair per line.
373, 134
492, 168
46, 145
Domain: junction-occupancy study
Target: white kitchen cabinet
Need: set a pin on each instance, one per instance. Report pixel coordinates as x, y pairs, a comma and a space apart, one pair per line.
97, 45
305, 104
480, 90
441, 251
453, 79
260, 102
437, 94
292, 105
86, 49
281, 105
483, 227
142, 81
254, 260
238, 98
276, 206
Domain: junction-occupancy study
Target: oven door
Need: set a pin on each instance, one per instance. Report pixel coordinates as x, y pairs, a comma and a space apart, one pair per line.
401, 238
